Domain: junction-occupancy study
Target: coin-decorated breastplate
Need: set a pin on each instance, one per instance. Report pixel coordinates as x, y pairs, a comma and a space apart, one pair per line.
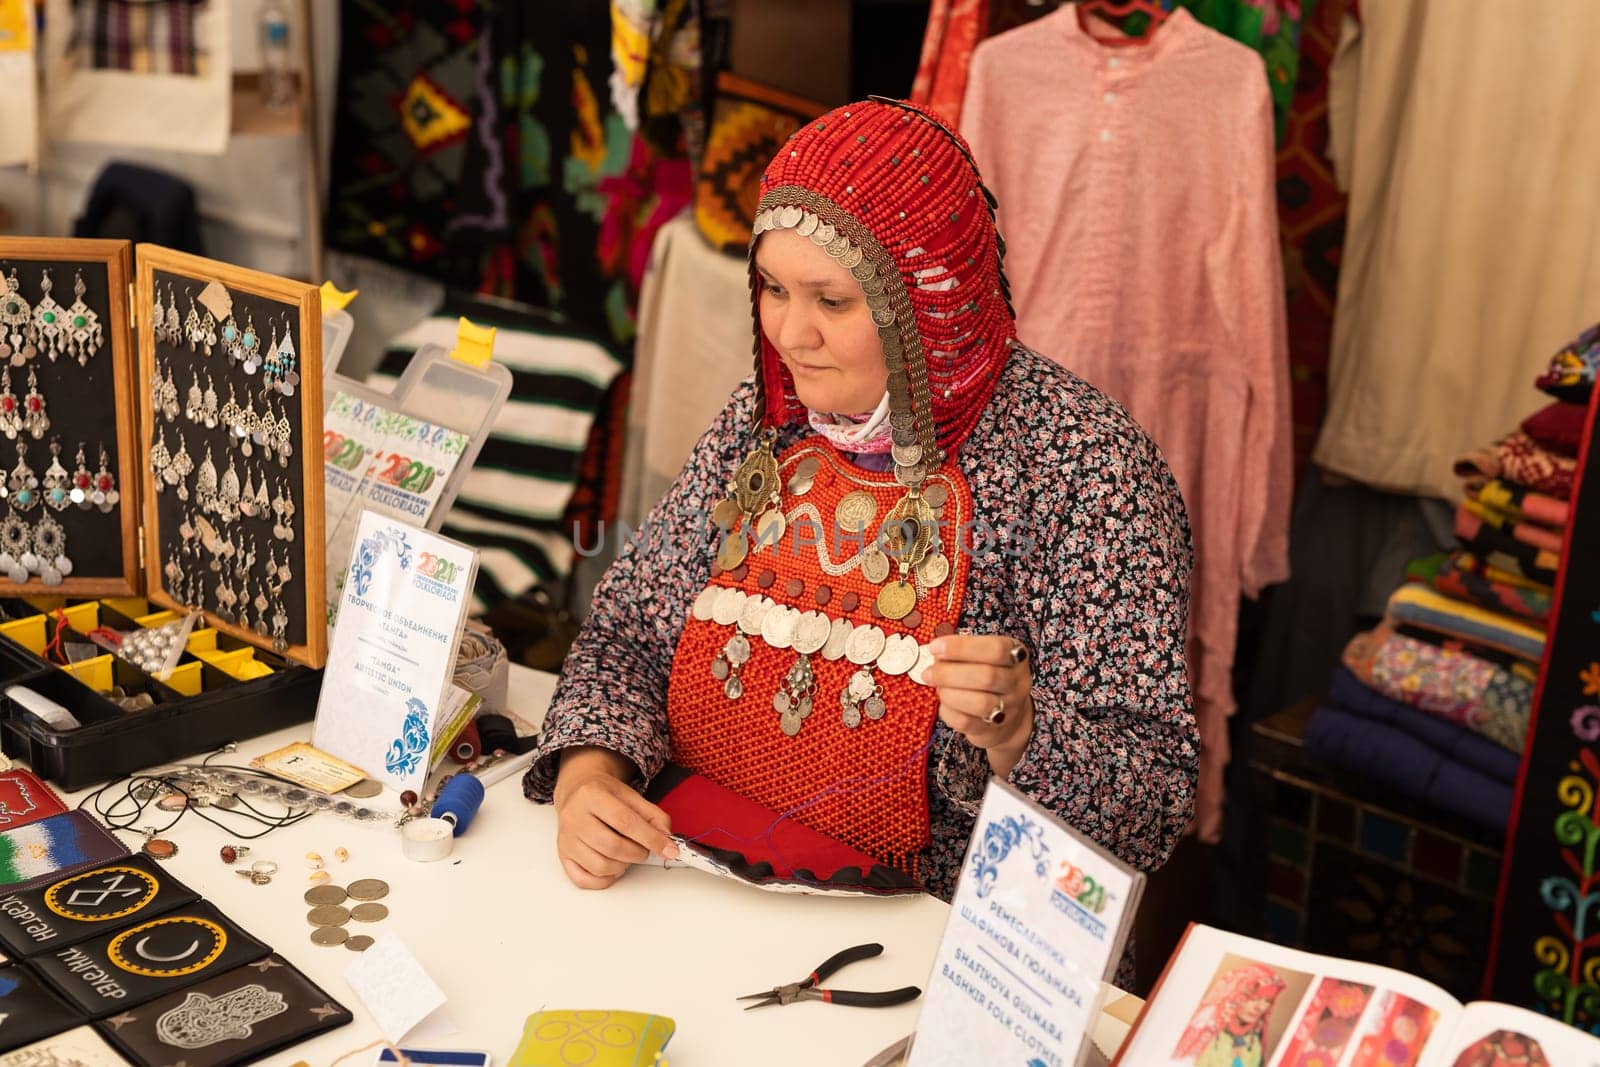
799, 679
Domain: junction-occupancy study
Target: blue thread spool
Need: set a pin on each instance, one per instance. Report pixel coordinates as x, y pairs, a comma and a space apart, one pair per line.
459, 802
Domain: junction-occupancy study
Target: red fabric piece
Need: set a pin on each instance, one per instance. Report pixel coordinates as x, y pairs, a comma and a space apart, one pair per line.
909, 179
954, 29
25, 799
1558, 427
707, 814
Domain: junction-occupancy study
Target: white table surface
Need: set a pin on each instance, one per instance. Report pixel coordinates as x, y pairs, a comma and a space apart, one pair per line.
504, 934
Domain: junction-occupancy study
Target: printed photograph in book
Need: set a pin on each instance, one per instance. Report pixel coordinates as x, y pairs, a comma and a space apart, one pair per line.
1503, 1048
1328, 1025
1242, 1016
1397, 1031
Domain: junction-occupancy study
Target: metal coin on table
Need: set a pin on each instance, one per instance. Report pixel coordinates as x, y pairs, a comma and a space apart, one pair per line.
899, 654
368, 889
855, 511
863, 645
897, 599
364, 789
358, 943
328, 936
754, 611
701, 611
838, 635
320, 895
328, 915
369, 912
934, 570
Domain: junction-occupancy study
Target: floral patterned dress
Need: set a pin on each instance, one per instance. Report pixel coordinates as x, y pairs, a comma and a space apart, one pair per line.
1092, 575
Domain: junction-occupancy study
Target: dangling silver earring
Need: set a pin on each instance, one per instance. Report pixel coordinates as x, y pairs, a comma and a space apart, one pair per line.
84, 336
48, 321
34, 416
50, 551
57, 483
16, 318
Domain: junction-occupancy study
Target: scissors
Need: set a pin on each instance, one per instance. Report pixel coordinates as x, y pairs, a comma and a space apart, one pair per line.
807, 988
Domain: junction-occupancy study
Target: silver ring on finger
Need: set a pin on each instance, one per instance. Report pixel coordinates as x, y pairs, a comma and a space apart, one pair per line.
997, 714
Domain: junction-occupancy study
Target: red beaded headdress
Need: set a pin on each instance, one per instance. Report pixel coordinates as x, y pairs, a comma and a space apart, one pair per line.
893, 194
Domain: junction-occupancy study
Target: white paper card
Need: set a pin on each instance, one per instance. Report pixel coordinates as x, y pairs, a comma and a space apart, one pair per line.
393, 986
393, 651
1038, 920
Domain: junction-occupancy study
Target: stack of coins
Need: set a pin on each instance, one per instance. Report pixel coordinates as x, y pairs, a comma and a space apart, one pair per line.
329, 916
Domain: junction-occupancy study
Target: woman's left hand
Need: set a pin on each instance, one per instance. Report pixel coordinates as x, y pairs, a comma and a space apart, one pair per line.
985, 693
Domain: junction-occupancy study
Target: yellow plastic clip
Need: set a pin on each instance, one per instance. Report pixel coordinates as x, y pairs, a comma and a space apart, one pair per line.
474, 343
334, 298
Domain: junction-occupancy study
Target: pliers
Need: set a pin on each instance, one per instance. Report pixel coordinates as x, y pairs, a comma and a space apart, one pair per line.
807, 988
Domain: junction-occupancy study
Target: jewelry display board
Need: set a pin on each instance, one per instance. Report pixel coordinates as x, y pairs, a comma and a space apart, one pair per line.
231, 396
68, 524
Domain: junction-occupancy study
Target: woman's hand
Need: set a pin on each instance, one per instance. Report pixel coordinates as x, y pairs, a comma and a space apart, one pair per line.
603, 825
985, 693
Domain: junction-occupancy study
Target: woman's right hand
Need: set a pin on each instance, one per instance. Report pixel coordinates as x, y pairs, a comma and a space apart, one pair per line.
603, 825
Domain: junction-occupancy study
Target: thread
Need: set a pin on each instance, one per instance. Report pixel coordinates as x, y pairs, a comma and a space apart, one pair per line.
467, 746
459, 801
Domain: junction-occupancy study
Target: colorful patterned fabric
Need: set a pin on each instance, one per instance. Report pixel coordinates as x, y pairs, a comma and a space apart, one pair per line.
1520, 501
56, 845
749, 123
1503, 550
1558, 427
1519, 458
1454, 686
1573, 369
471, 145
1529, 533
1424, 607
1462, 578
1311, 217
954, 29
141, 36
1114, 749
1452, 740
1402, 1029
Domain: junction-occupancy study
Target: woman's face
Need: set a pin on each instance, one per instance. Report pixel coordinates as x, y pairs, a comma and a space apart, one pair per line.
814, 313
1251, 1011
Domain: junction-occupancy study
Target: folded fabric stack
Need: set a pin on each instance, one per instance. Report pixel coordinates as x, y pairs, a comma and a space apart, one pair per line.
1435, 701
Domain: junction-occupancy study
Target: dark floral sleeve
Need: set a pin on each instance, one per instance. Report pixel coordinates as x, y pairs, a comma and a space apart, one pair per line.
613, 687
1101, 599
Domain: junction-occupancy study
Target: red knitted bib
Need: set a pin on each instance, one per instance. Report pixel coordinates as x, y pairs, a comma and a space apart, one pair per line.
864, 785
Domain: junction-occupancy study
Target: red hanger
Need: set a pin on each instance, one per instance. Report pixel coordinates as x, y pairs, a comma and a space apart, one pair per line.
1115, 11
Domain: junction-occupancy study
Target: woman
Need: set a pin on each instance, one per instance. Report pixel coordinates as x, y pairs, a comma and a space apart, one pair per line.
870, 687
1229, 1028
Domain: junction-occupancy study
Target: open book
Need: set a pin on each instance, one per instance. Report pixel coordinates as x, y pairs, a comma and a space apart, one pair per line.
1231, 1001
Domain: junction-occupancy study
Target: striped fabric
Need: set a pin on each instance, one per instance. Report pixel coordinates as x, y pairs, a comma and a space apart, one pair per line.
144, 36
512, 503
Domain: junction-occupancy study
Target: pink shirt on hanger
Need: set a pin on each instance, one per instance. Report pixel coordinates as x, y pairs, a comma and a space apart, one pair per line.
1137, 203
